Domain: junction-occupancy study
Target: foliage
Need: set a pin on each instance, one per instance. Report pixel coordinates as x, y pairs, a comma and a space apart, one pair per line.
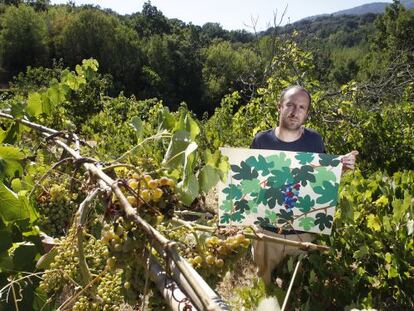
23, 39
369, 263
149, 55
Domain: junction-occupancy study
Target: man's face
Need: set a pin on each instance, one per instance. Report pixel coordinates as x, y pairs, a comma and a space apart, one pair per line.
293, 109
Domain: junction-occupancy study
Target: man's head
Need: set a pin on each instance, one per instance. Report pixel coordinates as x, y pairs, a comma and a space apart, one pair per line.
294, 105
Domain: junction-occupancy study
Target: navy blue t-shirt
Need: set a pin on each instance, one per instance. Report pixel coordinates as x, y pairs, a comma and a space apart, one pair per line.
310, 141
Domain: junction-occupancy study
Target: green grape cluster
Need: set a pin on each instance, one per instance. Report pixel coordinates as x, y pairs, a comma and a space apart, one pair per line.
216, 251
110, 290
64, 266
210, 255
158, 193
120, 238
84, 303
57, 207
96, 254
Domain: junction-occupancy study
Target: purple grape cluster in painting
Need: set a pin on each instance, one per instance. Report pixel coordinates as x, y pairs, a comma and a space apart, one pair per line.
290, 195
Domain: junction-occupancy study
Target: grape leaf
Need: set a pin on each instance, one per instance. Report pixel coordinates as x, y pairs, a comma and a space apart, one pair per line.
226, 206
305, 203
328, 160
274, 195
323, 220
244, 171
237, 217
233, 192
250, 186
10, 161
306, 223
303, 174
373, 222
280, 177
260, 197
253, 207
322, 174
328, 193
271, 215
284, 216
242, 205
279, 160
259, 164
209, 177
304, 157
225, 219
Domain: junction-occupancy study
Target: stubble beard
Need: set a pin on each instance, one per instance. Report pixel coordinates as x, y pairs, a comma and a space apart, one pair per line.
292, 126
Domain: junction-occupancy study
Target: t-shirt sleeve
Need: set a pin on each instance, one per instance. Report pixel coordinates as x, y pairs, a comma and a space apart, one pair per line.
322, 145
254, 144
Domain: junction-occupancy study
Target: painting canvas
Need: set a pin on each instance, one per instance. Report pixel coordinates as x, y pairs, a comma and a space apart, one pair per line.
280, 189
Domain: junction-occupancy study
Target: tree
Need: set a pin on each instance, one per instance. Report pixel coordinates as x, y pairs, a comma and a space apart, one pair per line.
23, 38
150, 21
93, 33
175, 67
226, 68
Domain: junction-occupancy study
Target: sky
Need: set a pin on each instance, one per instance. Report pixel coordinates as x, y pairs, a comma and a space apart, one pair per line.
232, 14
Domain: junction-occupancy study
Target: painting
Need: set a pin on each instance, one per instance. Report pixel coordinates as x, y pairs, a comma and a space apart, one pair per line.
280, 189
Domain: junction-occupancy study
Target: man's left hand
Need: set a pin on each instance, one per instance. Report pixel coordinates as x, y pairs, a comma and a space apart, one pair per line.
348, 160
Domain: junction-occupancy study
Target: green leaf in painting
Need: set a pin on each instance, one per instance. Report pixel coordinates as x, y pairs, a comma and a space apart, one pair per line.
226, 206
242, 205
280, 177
264, 223
303, 174
321, 174
305, 203
323, 220
279, 160
271, 215
284, 216
244, 171
237, 217
225, 219
328, 160
306, 223
260, 197
273, 196
250, 186
328, 193
252, 207
304, 157
259, 164
233, 192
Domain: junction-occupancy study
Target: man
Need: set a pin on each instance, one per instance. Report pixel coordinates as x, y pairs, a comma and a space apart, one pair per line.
289, 135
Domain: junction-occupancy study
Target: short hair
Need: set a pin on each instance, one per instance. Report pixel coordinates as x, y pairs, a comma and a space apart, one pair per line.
297, 87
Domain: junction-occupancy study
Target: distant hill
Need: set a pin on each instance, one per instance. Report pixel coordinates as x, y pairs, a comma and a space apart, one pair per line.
373, 8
